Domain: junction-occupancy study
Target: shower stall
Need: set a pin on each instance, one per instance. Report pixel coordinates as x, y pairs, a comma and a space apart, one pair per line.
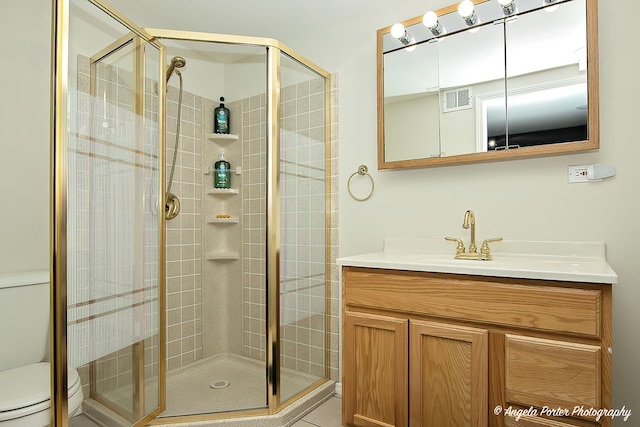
176, 300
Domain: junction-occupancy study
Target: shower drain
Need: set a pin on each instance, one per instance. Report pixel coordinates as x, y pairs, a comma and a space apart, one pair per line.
219, 384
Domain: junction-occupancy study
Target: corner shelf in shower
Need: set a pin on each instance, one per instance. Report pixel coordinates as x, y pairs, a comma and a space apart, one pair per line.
223, 191
215, 220
223, 137
221, 256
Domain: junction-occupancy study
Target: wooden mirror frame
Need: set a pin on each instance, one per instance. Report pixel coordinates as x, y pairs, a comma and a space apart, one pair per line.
592, 143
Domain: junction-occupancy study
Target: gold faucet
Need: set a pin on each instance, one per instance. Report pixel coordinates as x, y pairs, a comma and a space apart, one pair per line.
469, 222
470, 219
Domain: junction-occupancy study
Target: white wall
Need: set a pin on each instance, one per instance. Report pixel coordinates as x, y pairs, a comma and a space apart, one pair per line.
24, 134
520, 199
523, 199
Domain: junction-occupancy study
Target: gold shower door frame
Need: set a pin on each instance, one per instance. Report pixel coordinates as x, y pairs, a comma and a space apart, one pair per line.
59, 213
137, 46
274, 51
58, 216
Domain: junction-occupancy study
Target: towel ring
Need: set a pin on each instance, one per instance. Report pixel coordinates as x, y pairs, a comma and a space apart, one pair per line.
362, 170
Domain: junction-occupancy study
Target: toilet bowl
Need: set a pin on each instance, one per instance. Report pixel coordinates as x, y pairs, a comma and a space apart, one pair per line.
25, 373
25, 395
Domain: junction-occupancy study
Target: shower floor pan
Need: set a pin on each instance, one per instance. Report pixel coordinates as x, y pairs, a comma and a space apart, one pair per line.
189, 392
201, 387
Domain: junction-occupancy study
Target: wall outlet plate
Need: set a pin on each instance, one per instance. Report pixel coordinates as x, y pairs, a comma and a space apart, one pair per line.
578, 174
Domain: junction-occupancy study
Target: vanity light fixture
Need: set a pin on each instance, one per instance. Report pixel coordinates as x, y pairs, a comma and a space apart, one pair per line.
508, 6
398, 32
465, 9
430, 20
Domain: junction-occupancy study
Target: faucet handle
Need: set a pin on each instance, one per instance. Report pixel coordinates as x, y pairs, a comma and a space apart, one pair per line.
485, 246
459, 247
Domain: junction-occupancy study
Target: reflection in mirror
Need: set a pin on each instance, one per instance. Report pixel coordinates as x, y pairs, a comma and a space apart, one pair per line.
411, 103
471, 67
441, 97
546, 79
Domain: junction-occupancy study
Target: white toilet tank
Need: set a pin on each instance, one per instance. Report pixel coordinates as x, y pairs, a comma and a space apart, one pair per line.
24, 318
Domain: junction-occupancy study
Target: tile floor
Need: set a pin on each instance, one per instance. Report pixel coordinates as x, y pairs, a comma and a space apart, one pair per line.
329, 414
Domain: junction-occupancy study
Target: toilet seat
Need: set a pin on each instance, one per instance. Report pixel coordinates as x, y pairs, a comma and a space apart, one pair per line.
26, 391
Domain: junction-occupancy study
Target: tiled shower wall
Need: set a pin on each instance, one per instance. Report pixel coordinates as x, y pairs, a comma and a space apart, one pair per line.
335, 287
254, 159
303, 216
184, 233
303, 206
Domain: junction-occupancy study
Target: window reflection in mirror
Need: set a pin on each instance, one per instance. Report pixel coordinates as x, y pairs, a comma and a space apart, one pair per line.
444, 101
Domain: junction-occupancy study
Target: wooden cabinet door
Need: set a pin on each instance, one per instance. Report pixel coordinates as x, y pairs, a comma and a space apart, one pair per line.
375, 371
449, 375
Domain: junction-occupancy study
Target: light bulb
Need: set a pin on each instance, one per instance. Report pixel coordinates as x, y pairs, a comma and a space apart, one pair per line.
551, 6
430, 19
397, 31
505, 2
465, 9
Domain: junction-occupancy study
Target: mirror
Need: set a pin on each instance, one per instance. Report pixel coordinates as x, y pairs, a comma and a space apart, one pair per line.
508, 86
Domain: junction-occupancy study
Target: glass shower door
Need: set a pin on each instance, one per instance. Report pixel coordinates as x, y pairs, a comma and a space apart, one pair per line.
111, 144
303, 227
121, 234
216, 249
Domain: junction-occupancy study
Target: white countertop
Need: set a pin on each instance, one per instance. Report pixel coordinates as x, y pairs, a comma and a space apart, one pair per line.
565, 261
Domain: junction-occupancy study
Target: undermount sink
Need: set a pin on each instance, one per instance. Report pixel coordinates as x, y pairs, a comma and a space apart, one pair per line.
568, 261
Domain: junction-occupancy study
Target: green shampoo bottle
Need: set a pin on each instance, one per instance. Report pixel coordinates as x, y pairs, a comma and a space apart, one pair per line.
221, 123
222, 173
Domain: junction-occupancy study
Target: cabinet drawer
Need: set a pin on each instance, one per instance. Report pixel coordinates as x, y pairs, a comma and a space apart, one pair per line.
488, 300
551, 373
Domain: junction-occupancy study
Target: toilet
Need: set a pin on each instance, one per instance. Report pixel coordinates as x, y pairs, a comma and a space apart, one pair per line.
25, 391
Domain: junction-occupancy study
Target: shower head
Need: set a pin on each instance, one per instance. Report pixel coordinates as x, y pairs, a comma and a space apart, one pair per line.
176, 62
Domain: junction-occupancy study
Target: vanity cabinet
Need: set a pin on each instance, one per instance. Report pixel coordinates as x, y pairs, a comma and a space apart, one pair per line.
436, 349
